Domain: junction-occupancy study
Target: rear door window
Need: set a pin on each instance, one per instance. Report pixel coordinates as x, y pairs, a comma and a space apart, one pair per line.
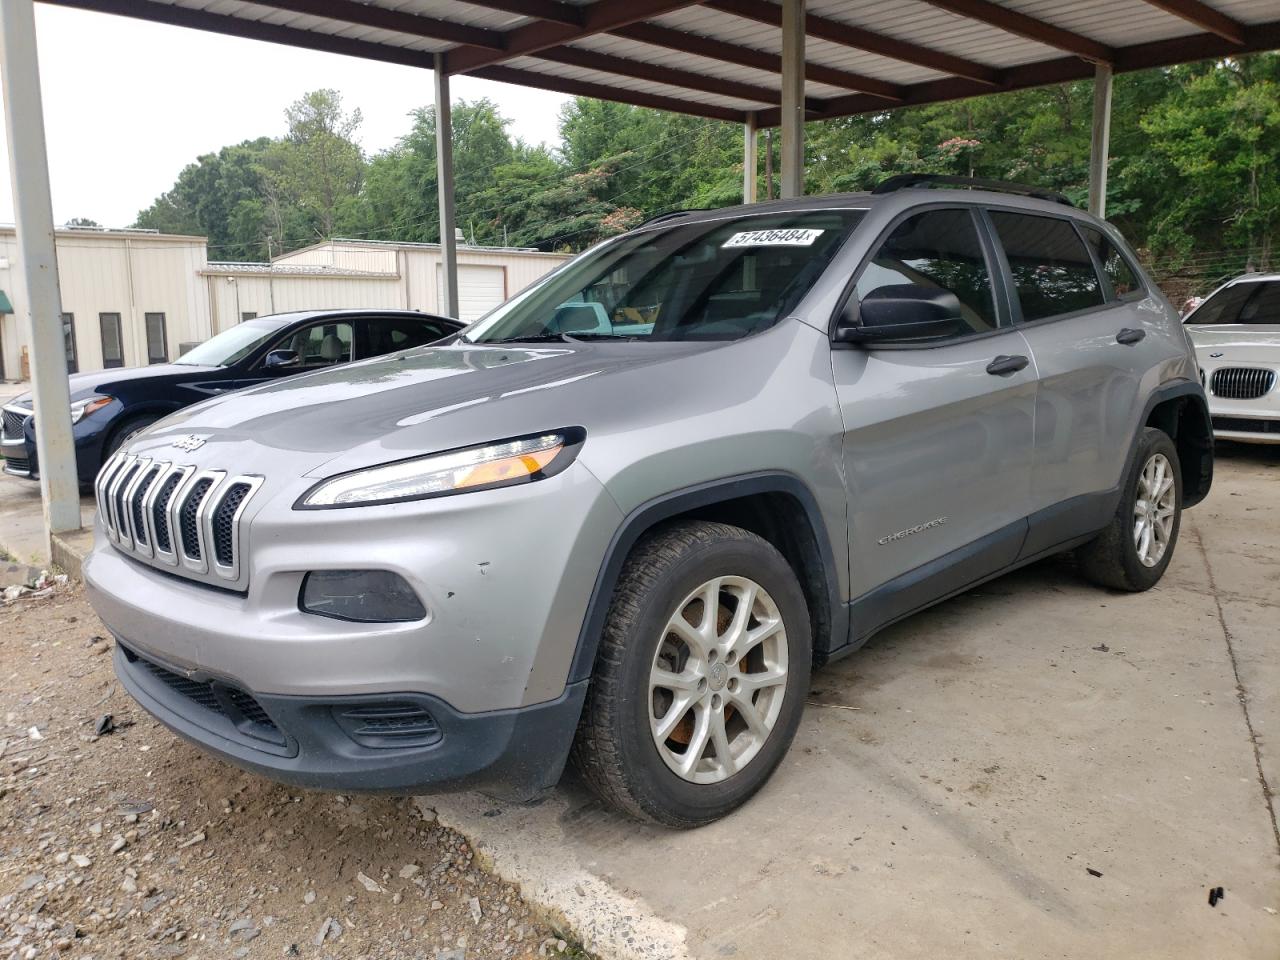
1052, 271
940, 250
388, 334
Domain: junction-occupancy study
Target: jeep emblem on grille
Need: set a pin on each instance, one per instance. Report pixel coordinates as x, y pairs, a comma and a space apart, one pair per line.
189, 443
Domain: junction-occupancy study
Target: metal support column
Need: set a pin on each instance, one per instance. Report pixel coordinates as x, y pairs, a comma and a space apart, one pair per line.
448, 298
33, 211
793, 26
1100, 145
749, 161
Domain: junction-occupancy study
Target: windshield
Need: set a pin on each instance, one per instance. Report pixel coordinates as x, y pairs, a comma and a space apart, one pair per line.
230, 346
713, 280
1248, 302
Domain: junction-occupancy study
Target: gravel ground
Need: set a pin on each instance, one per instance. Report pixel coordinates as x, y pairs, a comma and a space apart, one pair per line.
132, 844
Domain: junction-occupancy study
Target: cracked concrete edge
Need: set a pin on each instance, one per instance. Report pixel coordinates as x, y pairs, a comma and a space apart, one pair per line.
606, 922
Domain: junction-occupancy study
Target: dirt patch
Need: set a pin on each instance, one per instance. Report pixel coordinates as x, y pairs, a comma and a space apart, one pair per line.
133, 844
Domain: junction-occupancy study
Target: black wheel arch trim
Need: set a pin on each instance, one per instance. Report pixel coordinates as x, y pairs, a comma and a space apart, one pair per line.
652, 512
1202, 473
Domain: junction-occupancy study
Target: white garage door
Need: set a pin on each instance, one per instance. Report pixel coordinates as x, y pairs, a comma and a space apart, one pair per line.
480, 289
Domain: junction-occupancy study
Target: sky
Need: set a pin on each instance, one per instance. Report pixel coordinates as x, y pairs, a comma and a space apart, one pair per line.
128, 104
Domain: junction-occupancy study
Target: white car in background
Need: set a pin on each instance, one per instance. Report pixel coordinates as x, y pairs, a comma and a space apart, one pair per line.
1236, 332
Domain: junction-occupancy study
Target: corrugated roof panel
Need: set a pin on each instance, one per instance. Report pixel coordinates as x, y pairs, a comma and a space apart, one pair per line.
455, 12
937, 29
1116, 23
550, 69
1249, 11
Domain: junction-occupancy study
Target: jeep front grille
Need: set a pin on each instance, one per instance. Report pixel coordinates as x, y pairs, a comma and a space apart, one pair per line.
175, 516
1242, 383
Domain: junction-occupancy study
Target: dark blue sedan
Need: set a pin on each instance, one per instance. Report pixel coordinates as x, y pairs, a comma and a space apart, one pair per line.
110, 406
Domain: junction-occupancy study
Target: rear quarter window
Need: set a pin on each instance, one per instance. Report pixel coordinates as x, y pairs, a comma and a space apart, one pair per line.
1051, 268
1115, 266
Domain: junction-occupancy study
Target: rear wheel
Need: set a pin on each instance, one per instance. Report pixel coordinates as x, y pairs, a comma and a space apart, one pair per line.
1134, 551
700, 679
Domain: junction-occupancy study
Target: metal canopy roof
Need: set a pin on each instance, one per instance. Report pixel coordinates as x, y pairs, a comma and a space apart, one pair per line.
722, 58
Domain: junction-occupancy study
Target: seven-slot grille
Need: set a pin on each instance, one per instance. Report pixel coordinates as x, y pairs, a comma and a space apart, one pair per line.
176, 516
1242, 383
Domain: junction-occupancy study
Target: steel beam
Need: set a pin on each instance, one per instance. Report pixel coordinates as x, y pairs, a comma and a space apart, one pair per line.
447, 295
793, 27
1100, 143
33, 210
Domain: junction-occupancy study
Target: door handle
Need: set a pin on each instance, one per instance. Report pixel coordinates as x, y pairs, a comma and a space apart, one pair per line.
1002, 365
1130, 336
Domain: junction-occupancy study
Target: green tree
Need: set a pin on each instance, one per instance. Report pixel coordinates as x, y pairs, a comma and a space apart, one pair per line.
318, 166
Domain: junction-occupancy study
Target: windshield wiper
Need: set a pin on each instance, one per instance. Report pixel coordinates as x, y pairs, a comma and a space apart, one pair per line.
531, 338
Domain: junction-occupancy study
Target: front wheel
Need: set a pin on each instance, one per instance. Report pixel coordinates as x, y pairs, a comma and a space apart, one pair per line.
1134, 551
700, 679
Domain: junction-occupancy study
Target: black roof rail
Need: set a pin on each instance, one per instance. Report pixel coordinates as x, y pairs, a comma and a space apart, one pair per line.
671, 215
904, 181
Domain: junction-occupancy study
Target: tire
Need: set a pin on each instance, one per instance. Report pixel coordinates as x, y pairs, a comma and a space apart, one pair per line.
1116, 558
125, 432
668, 574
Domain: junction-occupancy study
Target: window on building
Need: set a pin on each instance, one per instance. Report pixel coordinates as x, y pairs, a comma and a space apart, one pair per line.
69, 342
1051, 268
938, 249
248, 315
157, 339
112, 340
1122, 277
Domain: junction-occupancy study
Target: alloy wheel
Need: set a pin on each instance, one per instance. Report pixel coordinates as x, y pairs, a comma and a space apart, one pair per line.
1153, 510
718, 679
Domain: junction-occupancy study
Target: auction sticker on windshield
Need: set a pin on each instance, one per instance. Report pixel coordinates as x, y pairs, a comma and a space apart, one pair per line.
795, 237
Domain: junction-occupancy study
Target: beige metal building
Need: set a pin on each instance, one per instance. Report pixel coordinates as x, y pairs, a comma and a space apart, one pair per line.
129, 297
371, 273
133, 297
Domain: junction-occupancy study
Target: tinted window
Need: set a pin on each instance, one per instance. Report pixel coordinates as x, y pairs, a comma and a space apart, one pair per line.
157, 341
320, 345
938, 249
1051, 268
1263, 306
112, 340
1123, 279
385, 334
710, 280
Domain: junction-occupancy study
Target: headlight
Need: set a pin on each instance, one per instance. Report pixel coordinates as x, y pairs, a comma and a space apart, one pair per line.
498, 464
82, 408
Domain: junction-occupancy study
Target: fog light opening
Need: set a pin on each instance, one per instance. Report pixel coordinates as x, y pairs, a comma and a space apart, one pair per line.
360, 596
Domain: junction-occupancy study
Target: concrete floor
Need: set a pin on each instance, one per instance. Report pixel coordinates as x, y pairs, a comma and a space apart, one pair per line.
955, 782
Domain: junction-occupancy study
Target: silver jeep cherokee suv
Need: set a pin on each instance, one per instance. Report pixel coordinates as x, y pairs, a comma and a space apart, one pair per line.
624, 515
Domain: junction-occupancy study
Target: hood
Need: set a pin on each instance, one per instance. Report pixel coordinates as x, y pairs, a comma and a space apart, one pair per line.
102, 381
1237, 342
426, 400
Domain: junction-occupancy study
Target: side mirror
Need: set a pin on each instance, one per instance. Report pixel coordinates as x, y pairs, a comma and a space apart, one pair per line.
281, 358
900, 312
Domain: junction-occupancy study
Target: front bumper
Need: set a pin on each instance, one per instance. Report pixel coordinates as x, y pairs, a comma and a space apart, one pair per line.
505, 576
312, 741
